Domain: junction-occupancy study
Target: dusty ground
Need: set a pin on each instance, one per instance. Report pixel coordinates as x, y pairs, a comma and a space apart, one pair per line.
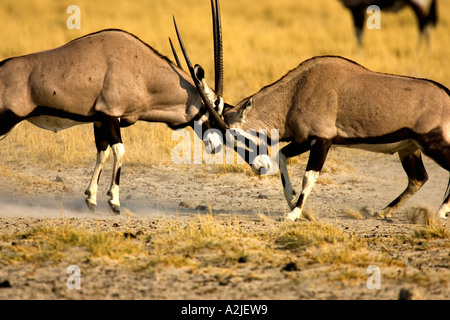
352, 180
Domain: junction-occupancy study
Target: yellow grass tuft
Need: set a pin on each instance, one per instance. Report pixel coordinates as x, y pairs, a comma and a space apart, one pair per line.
310, 234
44, 244
432, 232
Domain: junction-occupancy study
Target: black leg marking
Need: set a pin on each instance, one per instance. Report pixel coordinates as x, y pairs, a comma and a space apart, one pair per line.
8, 120
317, 157
417, 176
117, 179
107, 133
290, 150
318, 153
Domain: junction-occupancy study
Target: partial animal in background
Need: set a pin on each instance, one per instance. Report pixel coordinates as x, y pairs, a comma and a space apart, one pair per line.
425, 11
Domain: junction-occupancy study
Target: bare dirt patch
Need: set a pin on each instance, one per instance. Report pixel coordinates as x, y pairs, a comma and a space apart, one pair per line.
194, 233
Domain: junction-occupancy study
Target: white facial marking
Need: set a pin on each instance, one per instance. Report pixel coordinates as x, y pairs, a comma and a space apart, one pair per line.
262, 164
239, 136
444, 210
213, 142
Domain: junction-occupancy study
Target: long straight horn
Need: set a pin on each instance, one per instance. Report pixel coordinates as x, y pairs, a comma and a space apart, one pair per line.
218, 48
175, 55
208, 103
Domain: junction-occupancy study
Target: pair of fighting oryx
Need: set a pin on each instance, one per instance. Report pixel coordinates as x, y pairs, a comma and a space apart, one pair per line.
113, 79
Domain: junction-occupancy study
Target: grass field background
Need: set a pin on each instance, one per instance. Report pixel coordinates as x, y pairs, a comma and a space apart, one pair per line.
262, 41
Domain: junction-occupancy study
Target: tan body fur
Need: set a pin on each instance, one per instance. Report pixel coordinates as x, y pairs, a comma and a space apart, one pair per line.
109, 78
334, 101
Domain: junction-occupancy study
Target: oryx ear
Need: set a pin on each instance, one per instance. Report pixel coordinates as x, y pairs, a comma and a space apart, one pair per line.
199, 73
219, 105
245, 109
200, 78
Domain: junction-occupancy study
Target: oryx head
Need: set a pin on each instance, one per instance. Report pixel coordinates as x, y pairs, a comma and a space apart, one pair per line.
242, 137
213, 125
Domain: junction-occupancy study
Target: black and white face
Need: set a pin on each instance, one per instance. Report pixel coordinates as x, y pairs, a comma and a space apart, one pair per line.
247, 142
211, 137
207, 131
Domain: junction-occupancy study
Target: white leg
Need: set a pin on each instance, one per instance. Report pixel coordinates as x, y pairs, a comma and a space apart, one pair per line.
91, 191
118, 152
289, 193
309, 180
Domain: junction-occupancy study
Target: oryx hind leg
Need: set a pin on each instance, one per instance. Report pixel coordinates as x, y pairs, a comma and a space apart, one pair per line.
411, 160
8, 121
318, 153
115, 141
107, 133
436, 145
101, 142
118, 152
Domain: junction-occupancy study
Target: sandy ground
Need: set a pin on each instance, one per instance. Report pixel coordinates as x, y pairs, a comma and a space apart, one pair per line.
351, 179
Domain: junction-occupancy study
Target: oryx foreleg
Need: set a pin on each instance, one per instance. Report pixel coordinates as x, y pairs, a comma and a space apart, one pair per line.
118, 152
417, 176
291, 150
318, 153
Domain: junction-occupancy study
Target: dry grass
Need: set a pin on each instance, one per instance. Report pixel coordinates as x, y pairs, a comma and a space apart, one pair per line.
199, 242
432, 232
225, 246
277, 36
45, 244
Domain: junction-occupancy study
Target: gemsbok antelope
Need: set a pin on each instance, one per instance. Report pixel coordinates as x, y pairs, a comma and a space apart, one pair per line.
331, 100
424, 10
111, 79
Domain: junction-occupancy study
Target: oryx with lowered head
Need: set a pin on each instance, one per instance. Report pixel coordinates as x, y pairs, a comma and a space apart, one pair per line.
111, 79
331, 100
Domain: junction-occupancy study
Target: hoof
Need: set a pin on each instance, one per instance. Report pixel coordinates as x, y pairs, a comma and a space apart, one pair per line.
114, 207
294, 215
378, 215
91, 205
384, 214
